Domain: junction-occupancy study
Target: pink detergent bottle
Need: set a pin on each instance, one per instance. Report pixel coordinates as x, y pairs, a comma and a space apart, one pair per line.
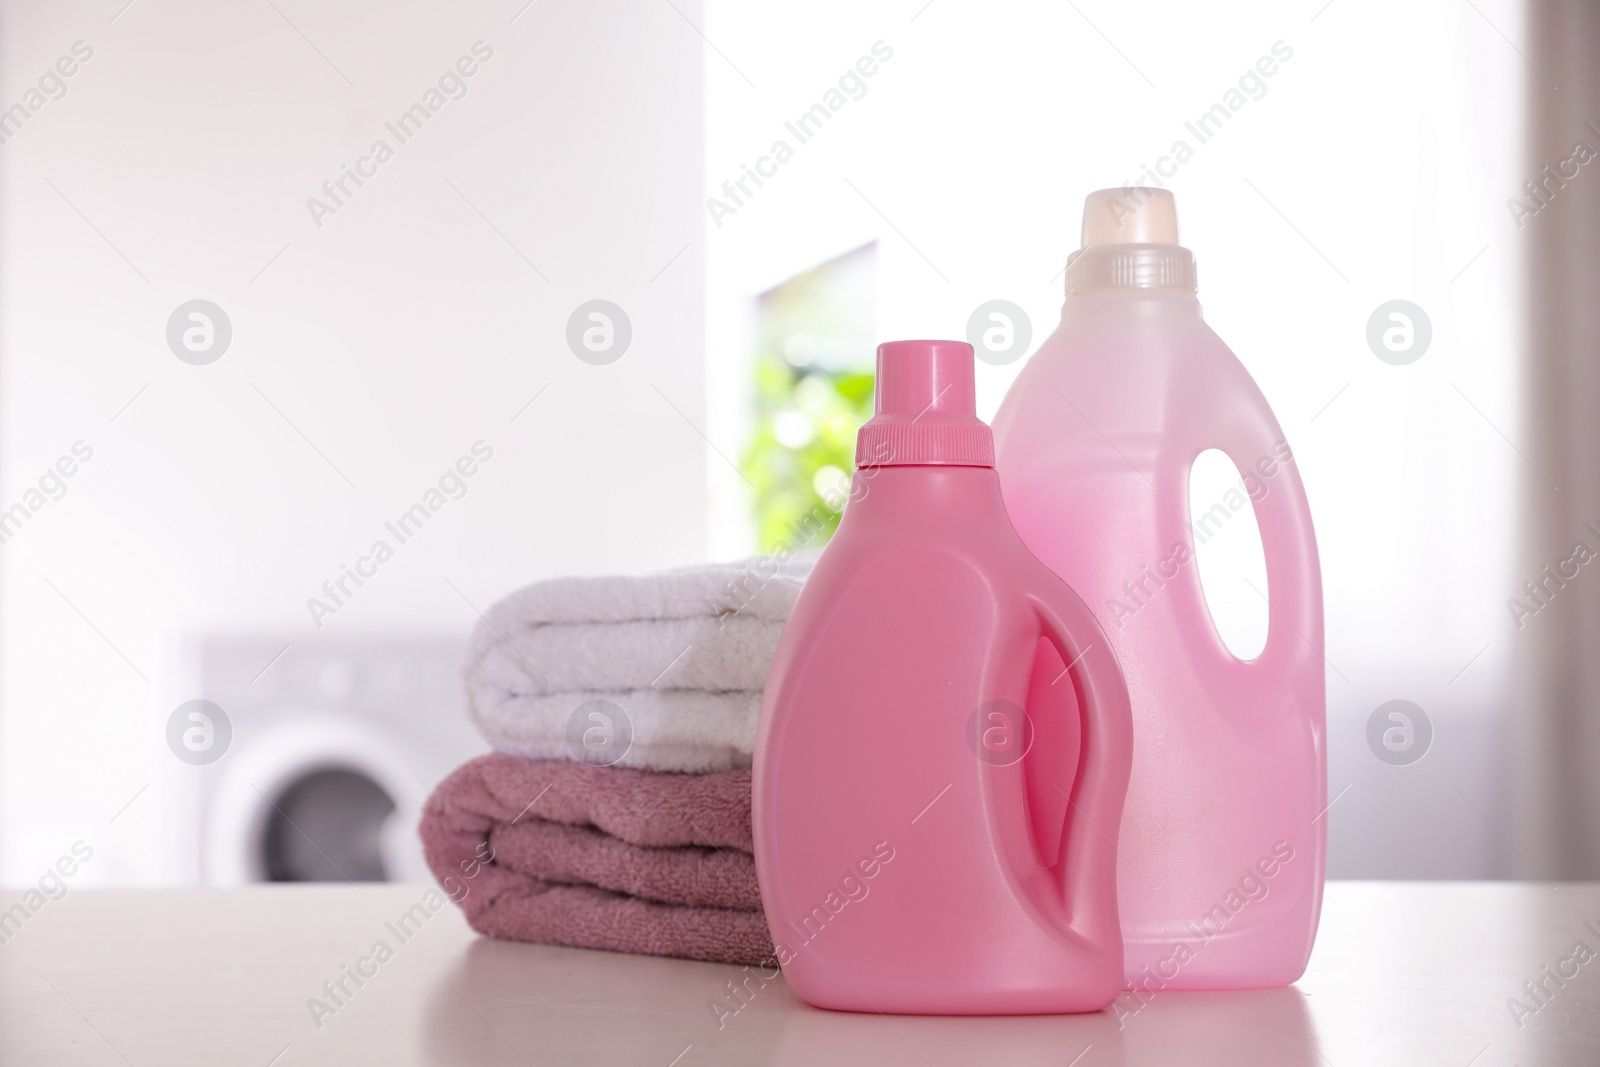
923, 846
1223, 840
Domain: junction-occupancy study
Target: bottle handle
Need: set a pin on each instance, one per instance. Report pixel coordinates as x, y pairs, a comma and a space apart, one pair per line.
1088, 857
1261, 454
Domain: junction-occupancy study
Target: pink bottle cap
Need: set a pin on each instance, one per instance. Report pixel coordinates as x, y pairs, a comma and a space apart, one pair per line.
926, 409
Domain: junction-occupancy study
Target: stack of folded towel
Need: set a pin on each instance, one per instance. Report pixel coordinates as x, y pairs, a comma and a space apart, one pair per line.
615, 810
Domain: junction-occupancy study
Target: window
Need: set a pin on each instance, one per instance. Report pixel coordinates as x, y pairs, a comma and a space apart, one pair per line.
812, 390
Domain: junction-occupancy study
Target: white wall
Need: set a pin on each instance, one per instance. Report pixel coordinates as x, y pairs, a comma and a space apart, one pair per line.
394, 336
406, 327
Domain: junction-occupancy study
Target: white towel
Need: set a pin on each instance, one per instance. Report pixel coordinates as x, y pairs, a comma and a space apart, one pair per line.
708, 652
684, 654
681, 730
763, 588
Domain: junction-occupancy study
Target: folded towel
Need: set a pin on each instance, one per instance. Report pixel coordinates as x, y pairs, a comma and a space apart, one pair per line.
563, 853
683, 654
675, 731
707, 652
761, 588
577, 855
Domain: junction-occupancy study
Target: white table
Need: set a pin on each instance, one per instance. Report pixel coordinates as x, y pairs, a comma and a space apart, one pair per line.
1404, 973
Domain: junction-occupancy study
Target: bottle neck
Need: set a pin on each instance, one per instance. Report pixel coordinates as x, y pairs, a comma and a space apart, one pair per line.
944, 440
1131, 266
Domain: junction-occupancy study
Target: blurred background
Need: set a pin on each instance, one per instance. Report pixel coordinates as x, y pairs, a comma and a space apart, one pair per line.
580, 265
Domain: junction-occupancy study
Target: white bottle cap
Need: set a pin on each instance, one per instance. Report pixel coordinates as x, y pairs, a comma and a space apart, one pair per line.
1132, 216
1130, 241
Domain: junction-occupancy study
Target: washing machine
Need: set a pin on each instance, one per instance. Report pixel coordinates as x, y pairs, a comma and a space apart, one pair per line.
288, 759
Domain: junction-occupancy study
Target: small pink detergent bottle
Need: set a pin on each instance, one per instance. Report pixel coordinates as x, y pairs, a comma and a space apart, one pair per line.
923, 845
1223, 837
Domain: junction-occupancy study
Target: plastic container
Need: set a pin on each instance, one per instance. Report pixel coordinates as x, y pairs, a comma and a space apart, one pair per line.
1223, 836
914, 842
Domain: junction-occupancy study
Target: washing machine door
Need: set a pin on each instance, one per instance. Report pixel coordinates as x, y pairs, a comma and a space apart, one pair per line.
318, 797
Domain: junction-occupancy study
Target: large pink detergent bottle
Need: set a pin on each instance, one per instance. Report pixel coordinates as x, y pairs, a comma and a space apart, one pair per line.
1223, 836
923, 846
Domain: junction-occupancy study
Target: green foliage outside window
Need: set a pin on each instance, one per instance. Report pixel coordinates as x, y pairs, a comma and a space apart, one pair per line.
798, 484
813, 390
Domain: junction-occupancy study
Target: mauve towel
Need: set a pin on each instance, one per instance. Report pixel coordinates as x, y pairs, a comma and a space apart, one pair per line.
600, 857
